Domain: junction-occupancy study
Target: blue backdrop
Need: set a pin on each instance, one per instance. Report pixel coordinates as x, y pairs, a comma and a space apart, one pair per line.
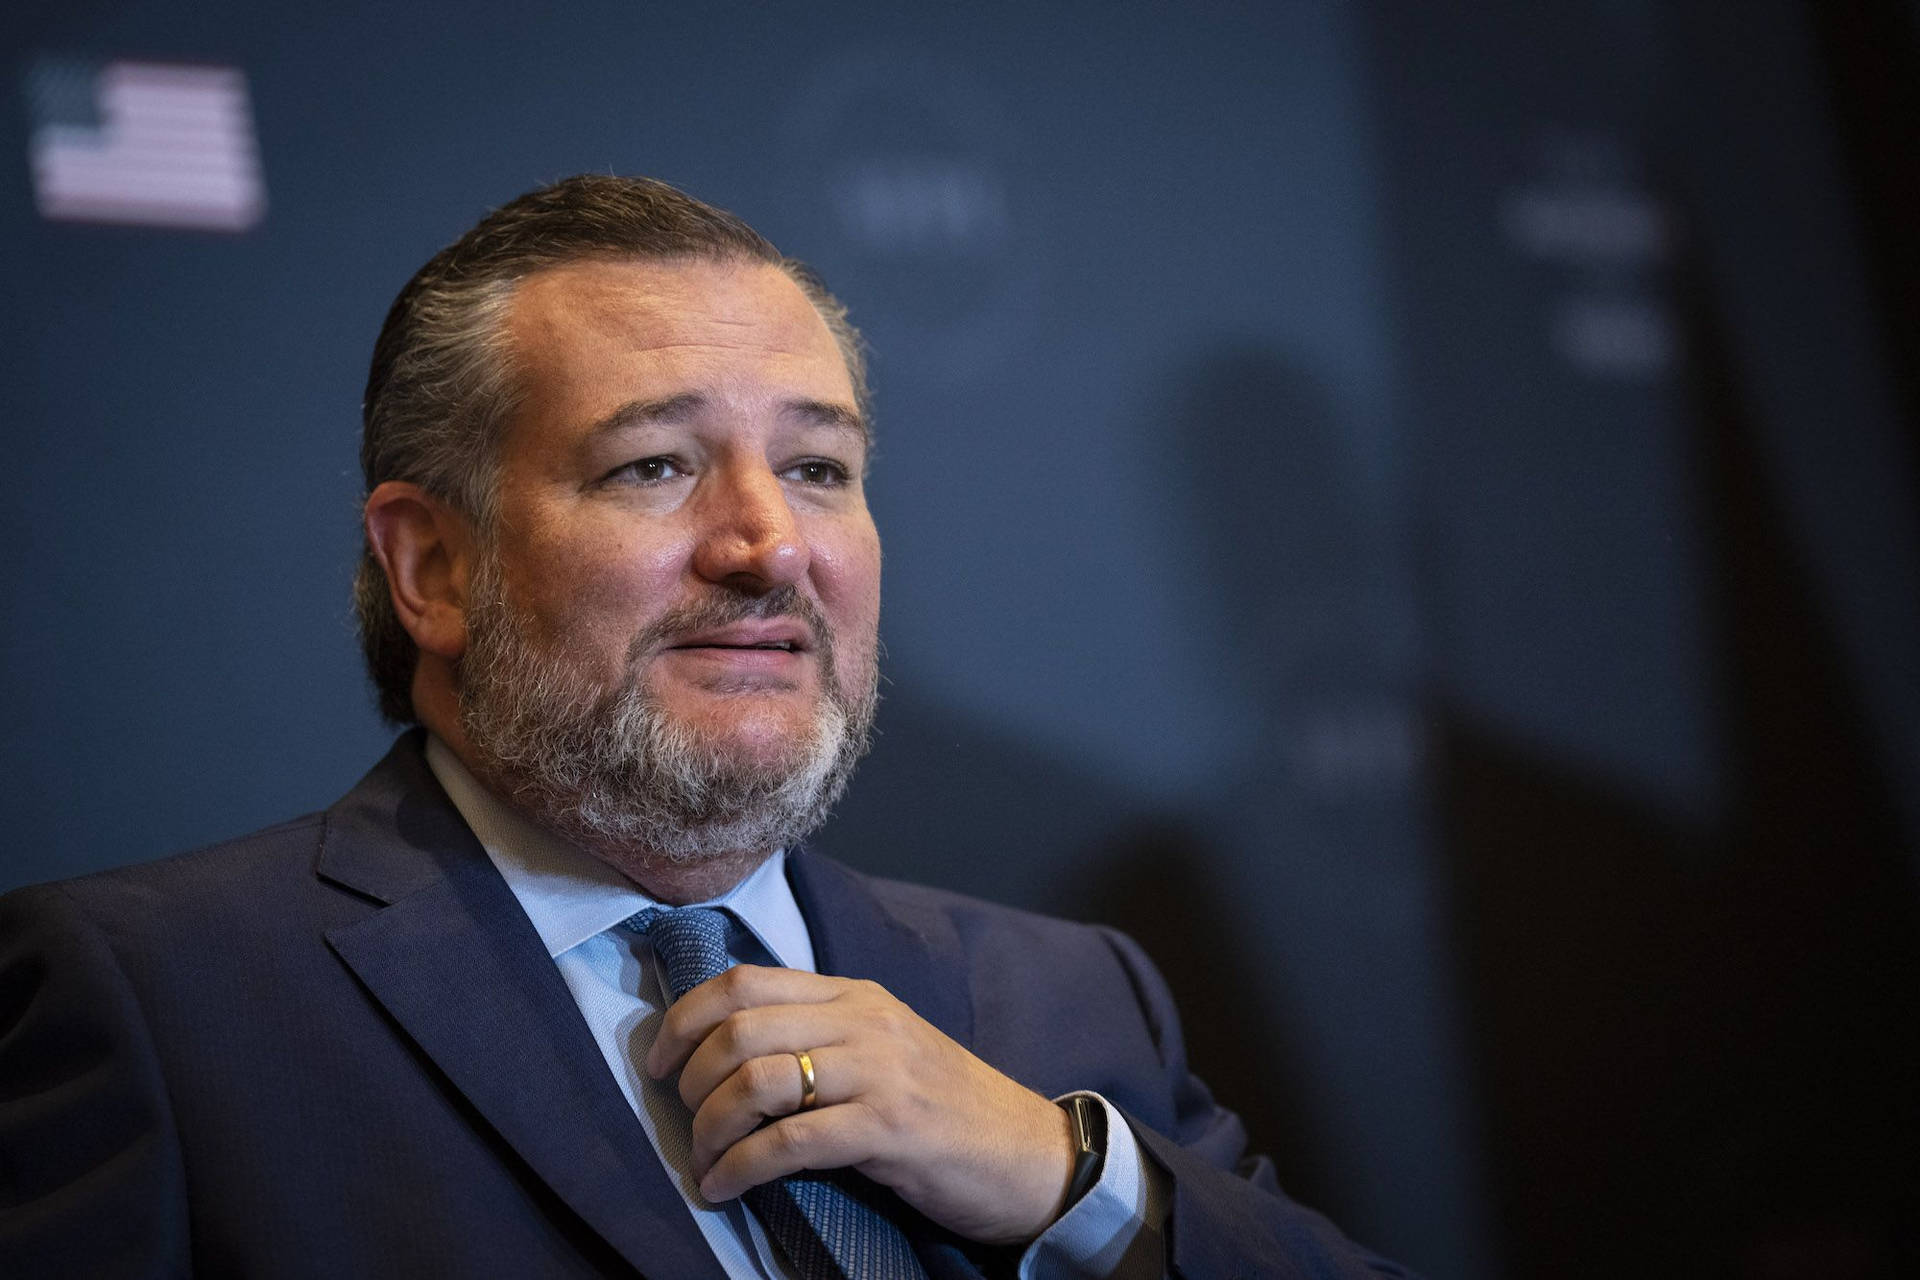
1406, 507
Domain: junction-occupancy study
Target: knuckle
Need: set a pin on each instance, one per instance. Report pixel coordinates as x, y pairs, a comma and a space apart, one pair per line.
744, 984
736, 1032
791, 1139
870, 1116
763, 1077
891, 1018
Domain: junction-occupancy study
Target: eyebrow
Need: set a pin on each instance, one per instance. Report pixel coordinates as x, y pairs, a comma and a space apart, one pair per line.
688, 404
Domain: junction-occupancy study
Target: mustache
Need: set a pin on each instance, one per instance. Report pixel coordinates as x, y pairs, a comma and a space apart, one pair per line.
726, 607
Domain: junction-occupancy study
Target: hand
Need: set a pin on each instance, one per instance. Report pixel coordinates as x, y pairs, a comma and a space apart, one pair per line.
898, 1100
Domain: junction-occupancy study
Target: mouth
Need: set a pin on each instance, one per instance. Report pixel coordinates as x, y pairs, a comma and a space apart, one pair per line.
777, 636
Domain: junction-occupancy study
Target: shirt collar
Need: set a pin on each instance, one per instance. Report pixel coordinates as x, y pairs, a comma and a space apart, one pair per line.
570, 895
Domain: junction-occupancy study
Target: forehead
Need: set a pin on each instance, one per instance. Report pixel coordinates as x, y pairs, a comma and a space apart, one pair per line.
588, 337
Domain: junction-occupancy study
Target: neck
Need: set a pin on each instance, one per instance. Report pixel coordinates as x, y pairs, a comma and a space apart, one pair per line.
677, 883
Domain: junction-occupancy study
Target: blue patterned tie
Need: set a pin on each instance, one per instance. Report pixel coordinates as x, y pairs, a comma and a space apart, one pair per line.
824, 1222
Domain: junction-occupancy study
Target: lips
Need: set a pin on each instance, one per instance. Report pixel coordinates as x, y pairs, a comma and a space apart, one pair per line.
780, 635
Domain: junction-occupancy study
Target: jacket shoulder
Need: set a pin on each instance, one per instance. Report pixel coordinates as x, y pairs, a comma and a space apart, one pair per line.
247, 885
979, 921
201, 887
1008, 949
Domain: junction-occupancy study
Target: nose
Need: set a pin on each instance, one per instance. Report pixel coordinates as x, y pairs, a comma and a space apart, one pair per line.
748, 538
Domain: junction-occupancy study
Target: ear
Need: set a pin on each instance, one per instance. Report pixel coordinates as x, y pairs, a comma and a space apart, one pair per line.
427, 550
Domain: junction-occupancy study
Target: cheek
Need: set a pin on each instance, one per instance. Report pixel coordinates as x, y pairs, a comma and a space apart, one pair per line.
846, 571
855, 616
593, 583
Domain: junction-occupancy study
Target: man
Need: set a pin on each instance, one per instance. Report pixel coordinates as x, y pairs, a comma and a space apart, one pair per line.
621, 572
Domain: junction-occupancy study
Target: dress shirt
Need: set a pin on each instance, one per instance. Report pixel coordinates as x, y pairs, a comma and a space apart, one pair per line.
576, 904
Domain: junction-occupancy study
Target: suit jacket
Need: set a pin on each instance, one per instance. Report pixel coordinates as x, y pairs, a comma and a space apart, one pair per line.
337, 1048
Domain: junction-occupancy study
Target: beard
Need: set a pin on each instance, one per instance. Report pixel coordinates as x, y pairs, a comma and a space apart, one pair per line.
610, 769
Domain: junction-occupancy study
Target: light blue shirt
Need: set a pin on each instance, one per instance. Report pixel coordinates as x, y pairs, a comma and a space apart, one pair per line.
576, 904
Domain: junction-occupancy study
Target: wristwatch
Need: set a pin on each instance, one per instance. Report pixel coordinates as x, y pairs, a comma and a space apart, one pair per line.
1089, 1119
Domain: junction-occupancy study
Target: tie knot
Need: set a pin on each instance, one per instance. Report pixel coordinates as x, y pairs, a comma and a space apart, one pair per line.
690, 941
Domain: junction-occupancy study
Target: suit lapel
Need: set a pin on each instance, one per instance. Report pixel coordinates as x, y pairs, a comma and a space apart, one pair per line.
454, 960
857, 934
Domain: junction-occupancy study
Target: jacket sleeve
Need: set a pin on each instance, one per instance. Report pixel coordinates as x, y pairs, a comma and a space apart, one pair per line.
1229, 1216
91, 1181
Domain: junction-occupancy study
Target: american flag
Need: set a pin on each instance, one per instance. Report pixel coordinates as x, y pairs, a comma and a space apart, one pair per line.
145, 142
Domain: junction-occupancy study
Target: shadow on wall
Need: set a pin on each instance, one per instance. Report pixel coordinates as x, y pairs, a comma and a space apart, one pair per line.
1700, 1046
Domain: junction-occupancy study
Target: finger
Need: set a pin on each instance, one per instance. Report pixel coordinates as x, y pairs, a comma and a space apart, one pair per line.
765, 1088
829, 1138
694, 1015
758, 1032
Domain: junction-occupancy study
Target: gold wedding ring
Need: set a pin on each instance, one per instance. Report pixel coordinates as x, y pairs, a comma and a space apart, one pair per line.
809, 1098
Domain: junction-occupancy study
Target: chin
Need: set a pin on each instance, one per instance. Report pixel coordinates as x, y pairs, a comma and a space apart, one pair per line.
753, 732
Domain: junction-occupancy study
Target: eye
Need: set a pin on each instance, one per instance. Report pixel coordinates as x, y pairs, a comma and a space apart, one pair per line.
819, 472
656, 470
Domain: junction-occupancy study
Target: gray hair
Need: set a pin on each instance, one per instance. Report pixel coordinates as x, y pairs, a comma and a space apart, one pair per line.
442, 388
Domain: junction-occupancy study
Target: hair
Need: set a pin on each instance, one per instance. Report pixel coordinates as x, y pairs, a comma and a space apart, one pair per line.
441, 387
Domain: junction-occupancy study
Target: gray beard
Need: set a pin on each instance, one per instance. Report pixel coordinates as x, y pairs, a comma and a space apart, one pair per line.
611, 771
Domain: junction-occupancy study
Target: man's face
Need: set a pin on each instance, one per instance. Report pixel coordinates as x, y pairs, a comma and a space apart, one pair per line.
681, 522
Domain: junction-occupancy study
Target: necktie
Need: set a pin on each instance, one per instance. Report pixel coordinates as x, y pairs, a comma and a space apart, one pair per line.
824, 1222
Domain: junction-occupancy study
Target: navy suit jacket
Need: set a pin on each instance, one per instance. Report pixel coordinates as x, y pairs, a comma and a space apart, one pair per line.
337, 1048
